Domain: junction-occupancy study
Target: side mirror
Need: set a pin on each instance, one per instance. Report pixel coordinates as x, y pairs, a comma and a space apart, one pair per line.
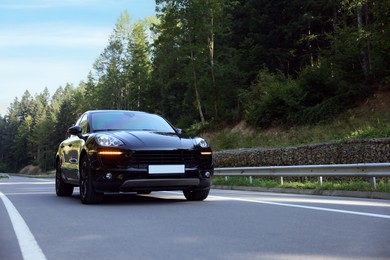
76, 130
180, 131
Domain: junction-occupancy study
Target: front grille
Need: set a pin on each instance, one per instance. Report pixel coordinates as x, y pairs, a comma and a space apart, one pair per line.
141, 159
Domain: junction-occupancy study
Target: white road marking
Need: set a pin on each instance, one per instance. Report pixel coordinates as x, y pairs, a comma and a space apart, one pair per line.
309, 207
297, 206
18, 183
27, 243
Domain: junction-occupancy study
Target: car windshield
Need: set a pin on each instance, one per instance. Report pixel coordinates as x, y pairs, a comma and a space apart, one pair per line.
122, 120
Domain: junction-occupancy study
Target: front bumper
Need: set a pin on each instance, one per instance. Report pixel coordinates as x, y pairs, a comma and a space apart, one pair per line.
131, 173
128, 181
155, 183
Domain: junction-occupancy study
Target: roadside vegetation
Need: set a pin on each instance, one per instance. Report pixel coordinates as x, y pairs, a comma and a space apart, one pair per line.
369, 119
382, 186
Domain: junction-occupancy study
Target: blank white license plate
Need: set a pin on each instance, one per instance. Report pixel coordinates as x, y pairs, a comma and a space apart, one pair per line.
164, 169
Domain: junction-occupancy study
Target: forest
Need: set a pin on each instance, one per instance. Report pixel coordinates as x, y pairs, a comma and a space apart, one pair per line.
205, 63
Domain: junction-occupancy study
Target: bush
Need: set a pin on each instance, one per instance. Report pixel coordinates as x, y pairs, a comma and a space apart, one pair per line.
272, 98
315, 96
4, 167
326, 109
317, 84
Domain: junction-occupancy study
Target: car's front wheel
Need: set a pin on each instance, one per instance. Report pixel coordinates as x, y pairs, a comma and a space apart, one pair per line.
196, 195
88, 194
63, 189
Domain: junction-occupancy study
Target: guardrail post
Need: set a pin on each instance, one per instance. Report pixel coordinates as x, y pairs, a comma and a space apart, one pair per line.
226, 178
250, 179
281, 180
320, 180
373, 182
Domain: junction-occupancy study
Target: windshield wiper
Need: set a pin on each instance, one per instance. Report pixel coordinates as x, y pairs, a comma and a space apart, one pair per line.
107, 130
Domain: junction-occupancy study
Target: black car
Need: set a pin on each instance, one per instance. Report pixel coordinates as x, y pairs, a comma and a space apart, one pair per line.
131, 151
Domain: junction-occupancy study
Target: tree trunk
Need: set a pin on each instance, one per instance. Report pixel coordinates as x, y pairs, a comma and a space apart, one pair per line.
365, 50
212, 68
197, 97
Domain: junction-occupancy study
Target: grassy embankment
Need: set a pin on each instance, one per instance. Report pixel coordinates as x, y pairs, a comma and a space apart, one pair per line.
369, 120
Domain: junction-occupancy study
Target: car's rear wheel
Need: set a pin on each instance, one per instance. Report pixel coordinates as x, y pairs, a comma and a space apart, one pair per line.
88, 194
196, 195
63, 189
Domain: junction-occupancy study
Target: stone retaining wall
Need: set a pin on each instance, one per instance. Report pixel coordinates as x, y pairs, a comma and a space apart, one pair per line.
347, 152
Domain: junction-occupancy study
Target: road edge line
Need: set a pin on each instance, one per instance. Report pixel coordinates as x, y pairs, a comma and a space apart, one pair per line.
27, 243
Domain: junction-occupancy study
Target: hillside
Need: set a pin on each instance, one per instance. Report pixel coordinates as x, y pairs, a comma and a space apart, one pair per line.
370, 119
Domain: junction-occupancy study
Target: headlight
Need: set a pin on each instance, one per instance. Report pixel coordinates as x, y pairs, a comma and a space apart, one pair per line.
108, 140
201, 142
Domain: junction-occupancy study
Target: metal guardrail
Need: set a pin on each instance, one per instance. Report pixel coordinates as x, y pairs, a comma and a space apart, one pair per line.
371, 170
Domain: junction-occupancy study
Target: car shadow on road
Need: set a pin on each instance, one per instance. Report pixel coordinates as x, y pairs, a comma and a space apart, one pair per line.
132, 198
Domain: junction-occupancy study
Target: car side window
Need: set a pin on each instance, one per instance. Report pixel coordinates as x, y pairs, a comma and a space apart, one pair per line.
84, 124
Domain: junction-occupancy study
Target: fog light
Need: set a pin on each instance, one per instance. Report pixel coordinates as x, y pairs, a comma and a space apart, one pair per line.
207, 174
108, 176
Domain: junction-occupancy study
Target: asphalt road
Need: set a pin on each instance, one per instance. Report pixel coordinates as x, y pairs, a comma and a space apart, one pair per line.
36, 224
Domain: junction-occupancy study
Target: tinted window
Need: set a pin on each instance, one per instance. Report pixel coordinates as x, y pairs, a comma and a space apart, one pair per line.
84, 124
103, 121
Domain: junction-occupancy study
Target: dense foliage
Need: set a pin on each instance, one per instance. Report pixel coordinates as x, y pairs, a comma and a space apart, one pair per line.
200, 61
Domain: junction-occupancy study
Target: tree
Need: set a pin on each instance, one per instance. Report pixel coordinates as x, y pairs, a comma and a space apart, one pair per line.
184, 54
21, 147
360, 41
43, 132
4, 144
168, 85
380, 40
137, 73
110, 67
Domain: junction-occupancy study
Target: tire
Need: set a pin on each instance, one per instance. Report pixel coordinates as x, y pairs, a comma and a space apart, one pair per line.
88, 194
63, 189
196, 195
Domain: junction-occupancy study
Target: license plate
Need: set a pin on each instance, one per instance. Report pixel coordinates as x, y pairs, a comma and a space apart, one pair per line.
166, 169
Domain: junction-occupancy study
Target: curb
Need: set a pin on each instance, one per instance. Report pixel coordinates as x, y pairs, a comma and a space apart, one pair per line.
336, 193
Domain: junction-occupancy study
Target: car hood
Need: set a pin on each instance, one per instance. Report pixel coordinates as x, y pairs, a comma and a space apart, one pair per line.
145, 140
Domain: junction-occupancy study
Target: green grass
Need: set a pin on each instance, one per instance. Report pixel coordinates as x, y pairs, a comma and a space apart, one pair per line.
346, 127
370, 120
382, 186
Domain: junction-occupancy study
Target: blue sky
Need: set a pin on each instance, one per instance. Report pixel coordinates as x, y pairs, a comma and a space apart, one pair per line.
47, 43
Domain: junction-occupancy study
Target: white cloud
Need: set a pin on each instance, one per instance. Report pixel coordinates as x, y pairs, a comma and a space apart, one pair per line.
35, 57
61, 36
35, 75
47, 4
39, 4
